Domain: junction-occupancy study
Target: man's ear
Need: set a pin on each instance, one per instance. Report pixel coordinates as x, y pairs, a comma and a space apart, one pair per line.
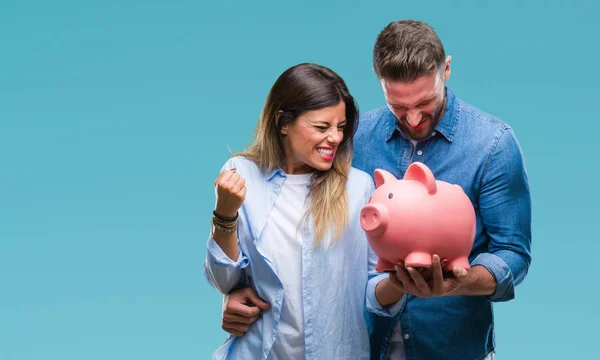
447, 68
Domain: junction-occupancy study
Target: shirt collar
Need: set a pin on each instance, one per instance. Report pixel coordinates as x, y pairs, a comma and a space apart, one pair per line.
269, 175
447, 126
280, 174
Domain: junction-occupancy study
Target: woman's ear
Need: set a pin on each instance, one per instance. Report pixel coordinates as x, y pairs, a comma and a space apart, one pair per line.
283, 129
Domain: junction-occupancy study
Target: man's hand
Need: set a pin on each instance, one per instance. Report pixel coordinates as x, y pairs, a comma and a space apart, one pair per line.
241, 309
429, 283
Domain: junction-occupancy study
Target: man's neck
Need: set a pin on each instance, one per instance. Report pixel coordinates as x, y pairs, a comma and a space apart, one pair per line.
442, 110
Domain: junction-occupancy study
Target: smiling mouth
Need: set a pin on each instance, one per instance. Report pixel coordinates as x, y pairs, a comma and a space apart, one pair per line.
419, 126
325, 152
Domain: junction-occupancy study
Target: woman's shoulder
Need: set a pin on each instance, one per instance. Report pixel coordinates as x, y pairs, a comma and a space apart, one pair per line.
359, 178
360, 186
242, 165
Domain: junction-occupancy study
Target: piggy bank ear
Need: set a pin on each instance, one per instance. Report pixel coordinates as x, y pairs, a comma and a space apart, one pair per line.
382, 176
421, 173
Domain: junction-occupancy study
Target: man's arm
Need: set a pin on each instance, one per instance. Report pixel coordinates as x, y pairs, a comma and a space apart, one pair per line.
505, 208
241, 308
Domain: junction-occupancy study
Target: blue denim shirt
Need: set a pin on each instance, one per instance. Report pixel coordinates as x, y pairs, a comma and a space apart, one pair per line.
334, 278
481, 154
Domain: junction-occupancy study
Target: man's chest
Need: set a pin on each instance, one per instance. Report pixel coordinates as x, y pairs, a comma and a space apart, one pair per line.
448, 162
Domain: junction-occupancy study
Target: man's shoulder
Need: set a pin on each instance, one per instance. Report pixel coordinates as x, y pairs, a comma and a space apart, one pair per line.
484, 132
478, 118
371, 126
372, 118
374, 114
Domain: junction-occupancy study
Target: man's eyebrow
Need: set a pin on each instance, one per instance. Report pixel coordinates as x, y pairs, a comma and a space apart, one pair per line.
421, 102
432, 97
398, 105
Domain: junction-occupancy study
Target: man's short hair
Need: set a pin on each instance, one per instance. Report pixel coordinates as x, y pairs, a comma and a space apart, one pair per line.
406, 50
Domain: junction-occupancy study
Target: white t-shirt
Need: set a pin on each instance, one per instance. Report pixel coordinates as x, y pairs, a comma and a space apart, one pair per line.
283, 242
396, 351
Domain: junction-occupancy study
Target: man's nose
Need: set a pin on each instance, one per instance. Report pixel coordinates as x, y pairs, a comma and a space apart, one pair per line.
414, 118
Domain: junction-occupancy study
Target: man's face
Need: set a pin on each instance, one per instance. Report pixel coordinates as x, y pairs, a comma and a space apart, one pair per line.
417, 105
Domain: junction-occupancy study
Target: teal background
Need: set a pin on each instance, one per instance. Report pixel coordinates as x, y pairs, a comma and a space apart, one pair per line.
116, 116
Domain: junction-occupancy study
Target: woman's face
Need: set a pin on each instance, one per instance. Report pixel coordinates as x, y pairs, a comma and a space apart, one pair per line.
311, 141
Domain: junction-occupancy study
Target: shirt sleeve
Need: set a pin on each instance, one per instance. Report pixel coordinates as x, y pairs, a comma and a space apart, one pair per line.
376, 277
505, 209
219, 270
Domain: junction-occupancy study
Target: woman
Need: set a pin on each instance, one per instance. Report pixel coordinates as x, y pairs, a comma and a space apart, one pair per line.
286, 223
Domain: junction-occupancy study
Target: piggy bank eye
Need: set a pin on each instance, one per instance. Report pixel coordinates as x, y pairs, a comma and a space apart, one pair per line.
390, 196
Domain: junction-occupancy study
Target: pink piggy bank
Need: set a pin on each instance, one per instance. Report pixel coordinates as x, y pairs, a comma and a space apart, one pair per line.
411, 219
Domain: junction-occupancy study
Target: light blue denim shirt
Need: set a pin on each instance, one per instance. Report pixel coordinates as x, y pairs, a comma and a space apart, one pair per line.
481, 154
334, 279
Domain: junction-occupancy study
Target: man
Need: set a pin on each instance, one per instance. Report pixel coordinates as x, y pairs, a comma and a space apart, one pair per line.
439, 317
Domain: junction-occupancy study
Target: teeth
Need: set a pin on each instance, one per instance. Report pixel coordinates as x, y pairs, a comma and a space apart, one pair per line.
325, 152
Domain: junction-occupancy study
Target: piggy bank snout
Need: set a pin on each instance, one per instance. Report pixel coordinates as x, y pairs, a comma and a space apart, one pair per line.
374, 218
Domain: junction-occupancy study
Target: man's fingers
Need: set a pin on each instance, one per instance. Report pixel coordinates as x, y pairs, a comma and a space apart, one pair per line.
235, 318
421, 284
394, 281
238, 308
256, 300
460, 273
438, 275
233, 331
445, 264
404, 278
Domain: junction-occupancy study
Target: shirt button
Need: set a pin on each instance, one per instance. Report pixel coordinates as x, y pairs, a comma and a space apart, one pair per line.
406, 336
433, 133
420, 152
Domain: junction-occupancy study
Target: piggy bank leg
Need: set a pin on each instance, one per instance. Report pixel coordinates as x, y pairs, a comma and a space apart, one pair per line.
384, 265
462, 262
418, 259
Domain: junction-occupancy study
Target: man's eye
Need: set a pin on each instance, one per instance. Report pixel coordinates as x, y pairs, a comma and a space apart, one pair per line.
321, 127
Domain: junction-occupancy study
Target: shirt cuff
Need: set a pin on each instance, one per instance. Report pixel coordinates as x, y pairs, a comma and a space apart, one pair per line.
219, 258
374, 306
505, 289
